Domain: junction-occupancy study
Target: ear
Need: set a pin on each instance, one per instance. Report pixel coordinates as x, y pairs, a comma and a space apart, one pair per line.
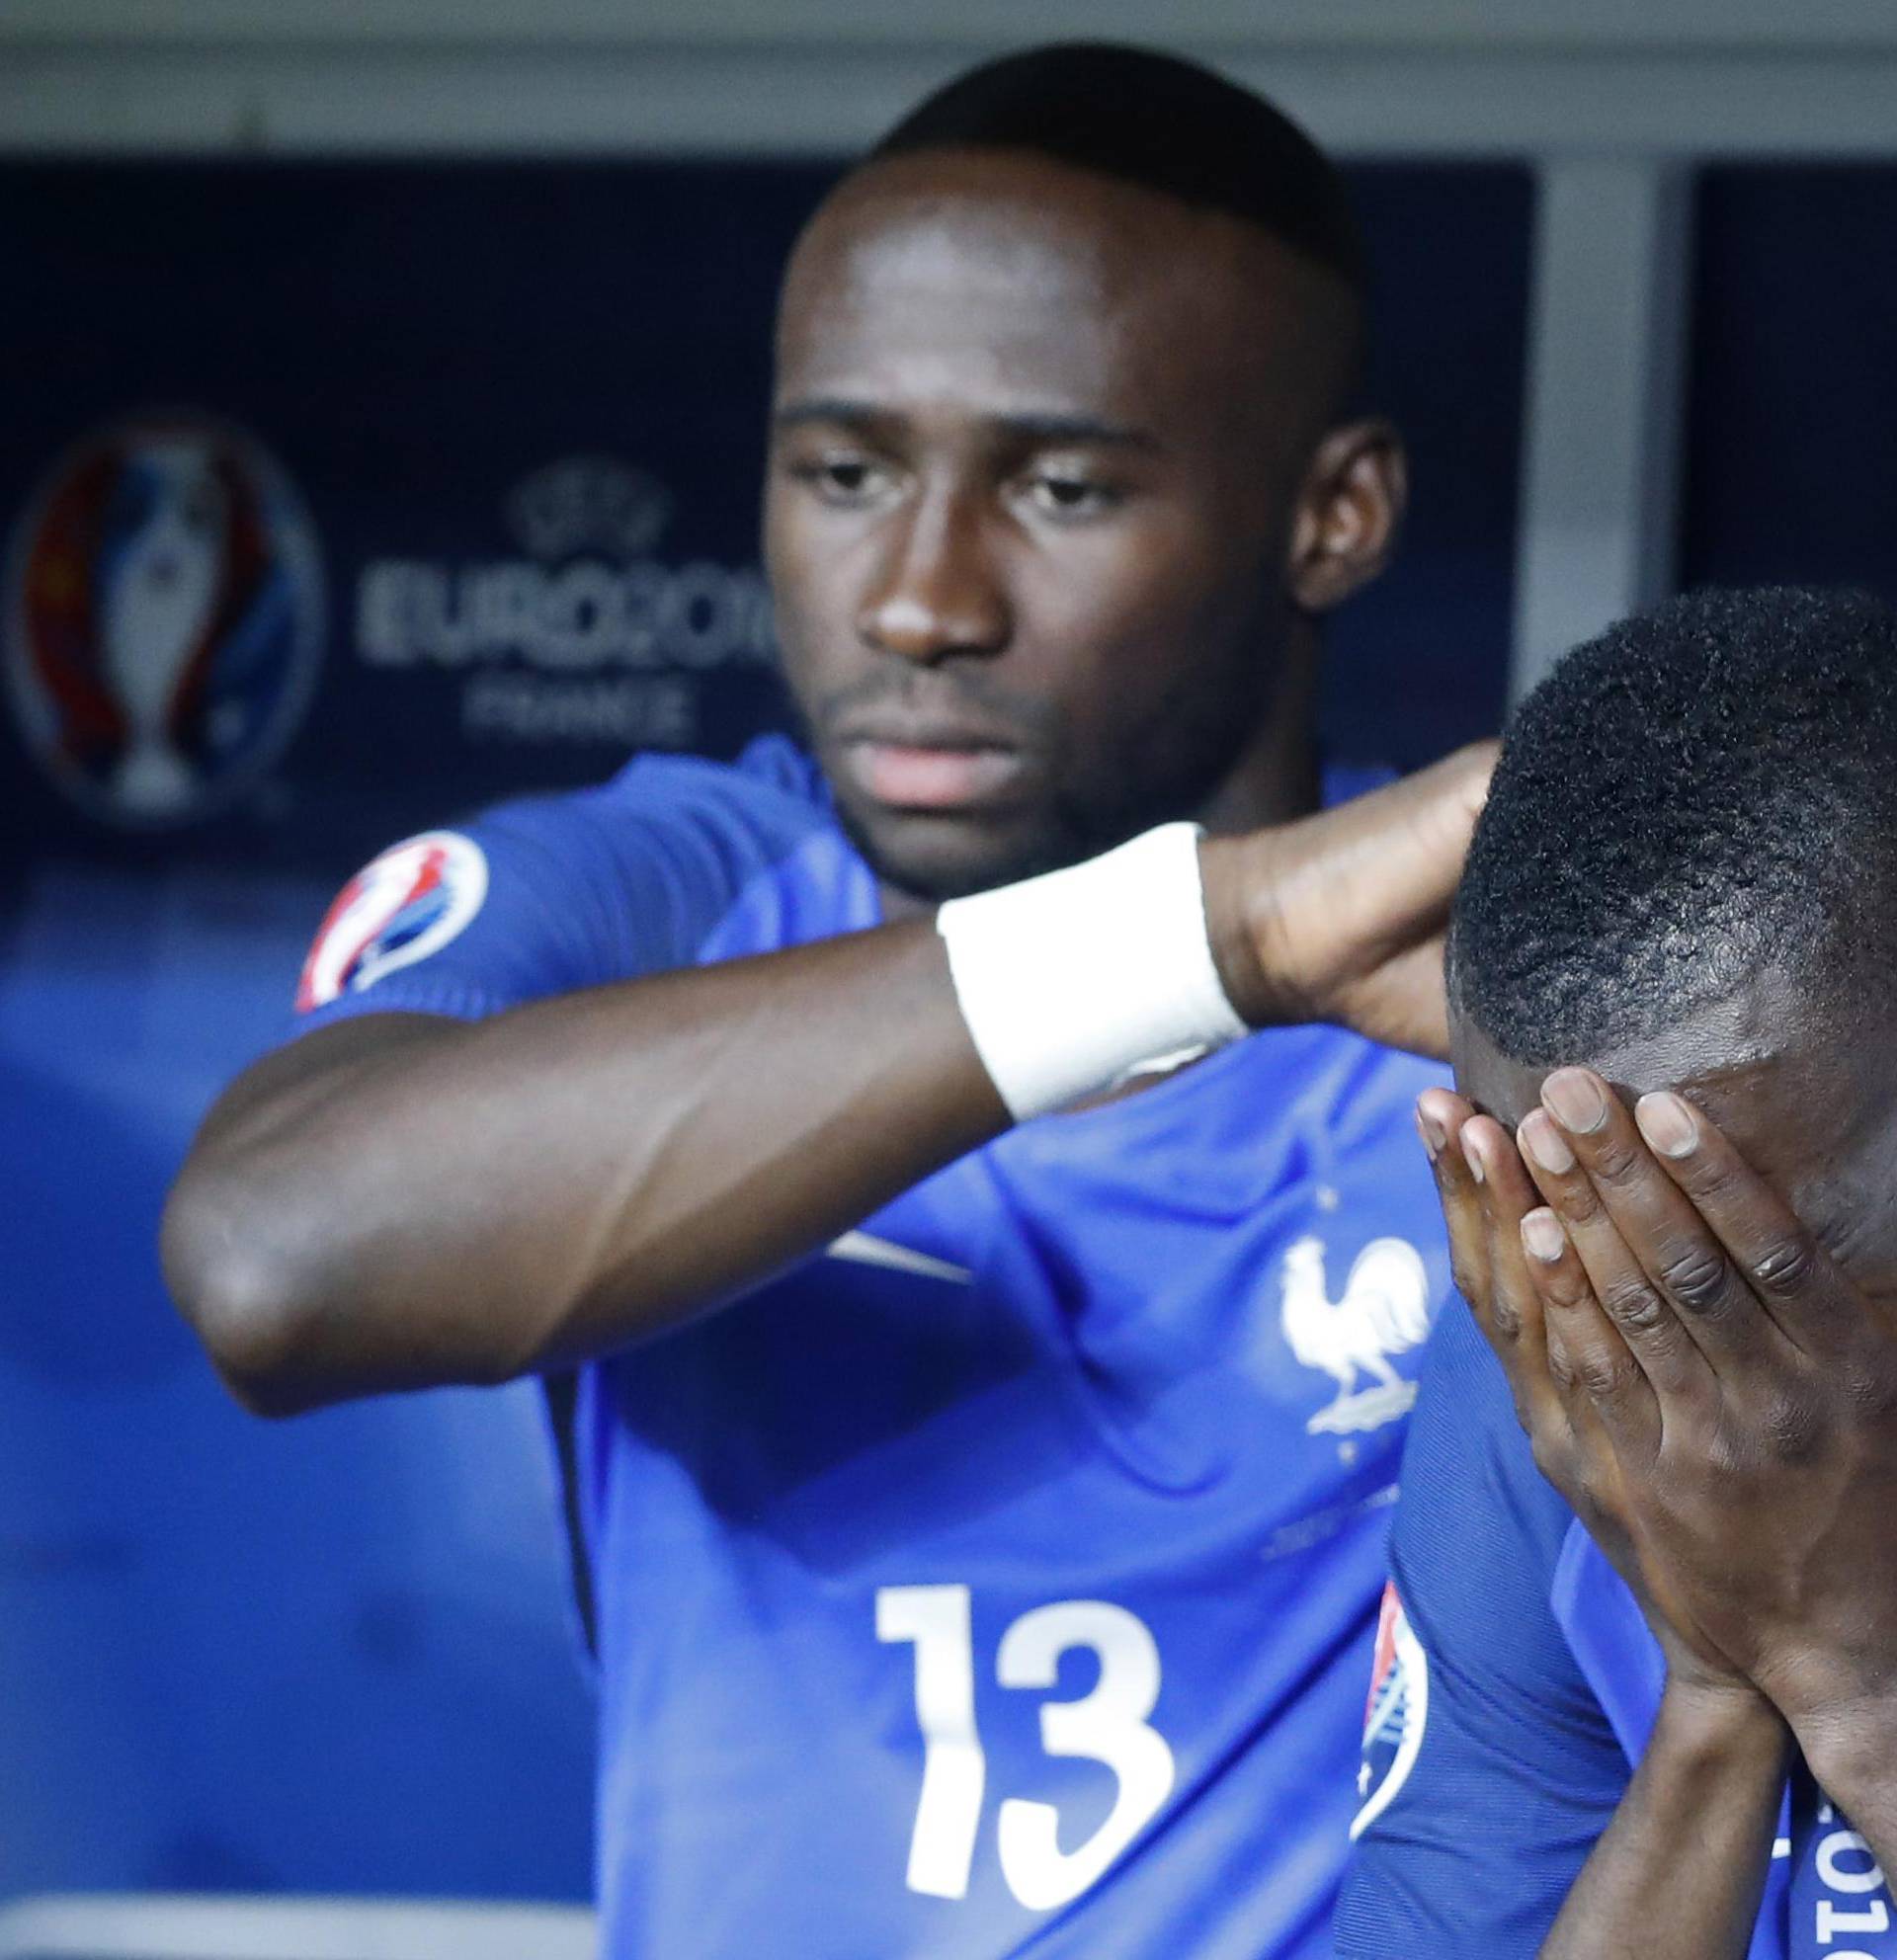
1349, 512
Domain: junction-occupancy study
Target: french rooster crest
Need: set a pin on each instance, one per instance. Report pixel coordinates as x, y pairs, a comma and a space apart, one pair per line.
1384, 1311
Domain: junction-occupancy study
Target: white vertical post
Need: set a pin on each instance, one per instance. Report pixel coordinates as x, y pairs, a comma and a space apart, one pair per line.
1605, 410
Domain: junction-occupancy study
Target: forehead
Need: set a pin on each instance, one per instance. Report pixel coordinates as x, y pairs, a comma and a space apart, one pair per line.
1811, 1107
1022, 283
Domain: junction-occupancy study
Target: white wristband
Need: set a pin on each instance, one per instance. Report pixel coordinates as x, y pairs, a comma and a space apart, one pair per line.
1072, 980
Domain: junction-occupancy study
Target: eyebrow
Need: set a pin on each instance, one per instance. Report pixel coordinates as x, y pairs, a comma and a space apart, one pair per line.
1040, 428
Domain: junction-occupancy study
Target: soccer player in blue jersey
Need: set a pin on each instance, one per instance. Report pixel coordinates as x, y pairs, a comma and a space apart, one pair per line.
1643, 1703
982, 1507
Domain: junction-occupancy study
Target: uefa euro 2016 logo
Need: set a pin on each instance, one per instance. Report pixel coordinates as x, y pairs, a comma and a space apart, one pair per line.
164, 619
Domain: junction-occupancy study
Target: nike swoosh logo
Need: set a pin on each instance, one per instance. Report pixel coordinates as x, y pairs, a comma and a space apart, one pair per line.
866, 1249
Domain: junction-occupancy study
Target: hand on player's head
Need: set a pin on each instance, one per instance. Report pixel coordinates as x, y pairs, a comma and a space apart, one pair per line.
1340, 917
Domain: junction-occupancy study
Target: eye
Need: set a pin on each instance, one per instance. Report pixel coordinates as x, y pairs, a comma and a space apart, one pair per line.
1066, 494
846, 479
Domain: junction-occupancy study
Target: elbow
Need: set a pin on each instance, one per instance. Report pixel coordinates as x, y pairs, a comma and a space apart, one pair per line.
254, 1307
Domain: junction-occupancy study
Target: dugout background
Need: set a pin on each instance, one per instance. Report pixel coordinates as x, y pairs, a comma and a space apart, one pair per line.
333, 1656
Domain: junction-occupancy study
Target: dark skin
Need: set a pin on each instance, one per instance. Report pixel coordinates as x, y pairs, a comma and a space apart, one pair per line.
1686, 1259
1010, 551
1056, 576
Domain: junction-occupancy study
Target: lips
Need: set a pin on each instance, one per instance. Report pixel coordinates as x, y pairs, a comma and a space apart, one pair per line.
906, 775
919, 764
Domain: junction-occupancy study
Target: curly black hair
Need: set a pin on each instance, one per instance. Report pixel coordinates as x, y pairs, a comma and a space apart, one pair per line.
1705, 791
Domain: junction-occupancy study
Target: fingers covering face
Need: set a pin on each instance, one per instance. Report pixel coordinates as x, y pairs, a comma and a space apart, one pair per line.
1771, 1268
1439, 1117
1484, 1190
1689, 1251
1625, 1221
1589, 1358
1628, 1268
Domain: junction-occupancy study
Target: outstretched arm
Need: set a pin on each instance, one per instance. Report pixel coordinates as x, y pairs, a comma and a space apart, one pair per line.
401, 1200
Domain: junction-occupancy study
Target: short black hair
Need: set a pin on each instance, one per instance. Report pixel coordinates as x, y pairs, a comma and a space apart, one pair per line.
1155, 120
1705, 793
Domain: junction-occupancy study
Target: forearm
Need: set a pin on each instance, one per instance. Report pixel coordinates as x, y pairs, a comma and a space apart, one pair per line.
1689, 1845
1848, 1740
437, 1203
469, 1202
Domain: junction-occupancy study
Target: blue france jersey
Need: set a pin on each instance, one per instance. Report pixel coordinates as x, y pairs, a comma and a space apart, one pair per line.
1517, 1685
1002, 1581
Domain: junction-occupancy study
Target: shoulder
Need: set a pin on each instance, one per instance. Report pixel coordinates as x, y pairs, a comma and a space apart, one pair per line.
550, 893
668, 837
770, 776
1475, 1510
1466, 1446
768, 800
1490, 1767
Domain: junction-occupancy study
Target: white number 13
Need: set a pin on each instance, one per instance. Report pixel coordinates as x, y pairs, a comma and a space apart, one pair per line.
1107, 1726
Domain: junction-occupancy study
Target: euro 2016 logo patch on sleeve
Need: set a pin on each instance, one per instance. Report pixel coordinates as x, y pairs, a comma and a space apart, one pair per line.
410, 902
1395, 1713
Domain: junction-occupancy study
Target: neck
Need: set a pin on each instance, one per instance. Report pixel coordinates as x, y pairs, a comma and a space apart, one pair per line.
1275, 779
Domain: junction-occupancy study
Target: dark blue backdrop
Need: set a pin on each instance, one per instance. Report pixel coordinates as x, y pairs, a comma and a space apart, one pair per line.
473, 450
1793, 401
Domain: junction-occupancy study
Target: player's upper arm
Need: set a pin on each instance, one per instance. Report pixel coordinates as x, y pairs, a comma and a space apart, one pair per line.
540, 897
268, 1246
1489, 1767
543, 896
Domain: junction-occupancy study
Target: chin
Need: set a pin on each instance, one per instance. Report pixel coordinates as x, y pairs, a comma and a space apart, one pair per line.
934, 859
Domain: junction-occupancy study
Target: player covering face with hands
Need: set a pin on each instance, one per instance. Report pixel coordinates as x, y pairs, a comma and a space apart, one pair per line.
1683, 1250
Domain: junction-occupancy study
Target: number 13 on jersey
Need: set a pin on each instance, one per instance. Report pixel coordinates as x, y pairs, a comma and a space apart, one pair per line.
1108, 1725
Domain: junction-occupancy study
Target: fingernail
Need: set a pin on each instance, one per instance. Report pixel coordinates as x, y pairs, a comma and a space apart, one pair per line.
1433, 1135
1575, 1100
1666, 1122
1542, 1236
1545, 1144
1474, 1157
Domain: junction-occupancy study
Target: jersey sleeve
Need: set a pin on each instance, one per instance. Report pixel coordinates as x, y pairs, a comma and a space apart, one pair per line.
547, 895
1490, 1767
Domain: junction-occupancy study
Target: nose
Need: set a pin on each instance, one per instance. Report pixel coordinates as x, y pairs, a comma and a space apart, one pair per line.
938, 592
